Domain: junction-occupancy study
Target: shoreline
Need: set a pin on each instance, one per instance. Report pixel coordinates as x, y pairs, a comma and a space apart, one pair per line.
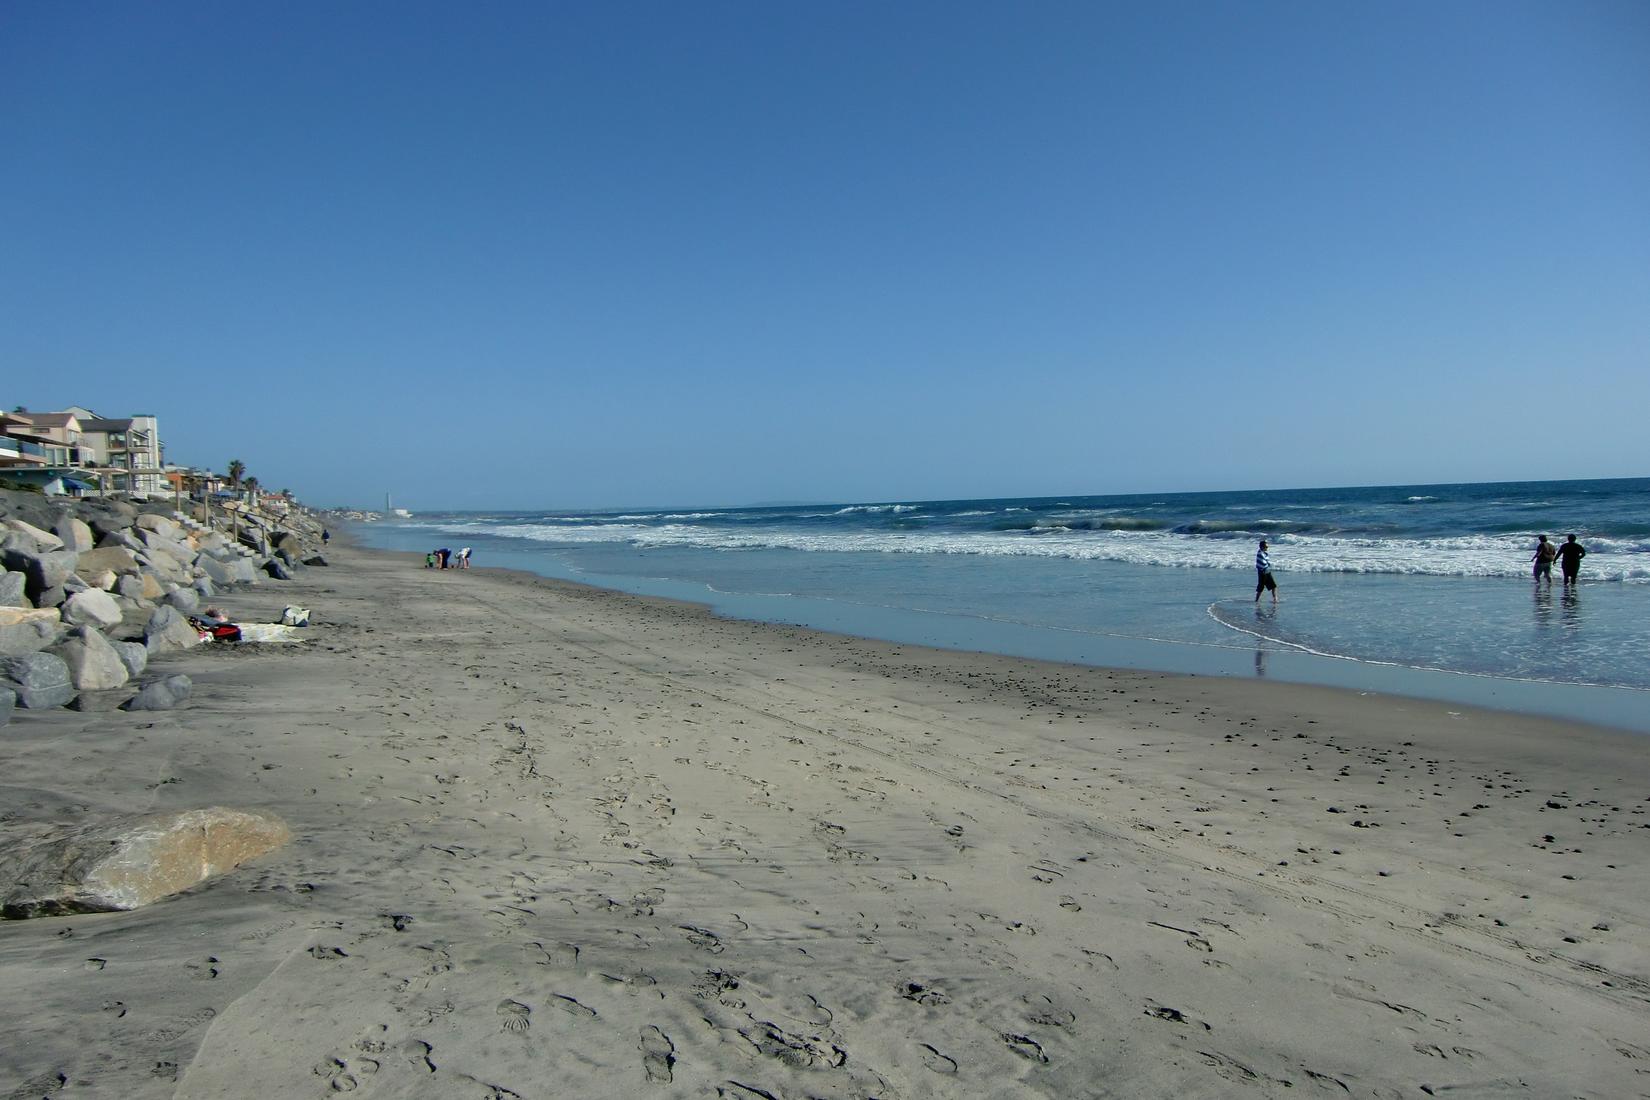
551, 833
1603, 706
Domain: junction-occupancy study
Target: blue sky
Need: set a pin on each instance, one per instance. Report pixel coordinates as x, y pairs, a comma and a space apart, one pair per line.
544, 255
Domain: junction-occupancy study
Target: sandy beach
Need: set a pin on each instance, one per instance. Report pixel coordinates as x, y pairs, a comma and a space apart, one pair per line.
551, 841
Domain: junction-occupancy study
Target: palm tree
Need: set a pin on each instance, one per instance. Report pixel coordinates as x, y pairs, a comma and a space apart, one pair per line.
237, 469
251, 485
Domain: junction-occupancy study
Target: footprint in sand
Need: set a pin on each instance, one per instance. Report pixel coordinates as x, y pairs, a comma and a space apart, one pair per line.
564, 955
1173, 1015
571, 1006
922, 994
1045, 872
344, 1075
418, 1053
1026, 1047
936, 1061
513, 1015
658, 1054
1043, 1011
702, 938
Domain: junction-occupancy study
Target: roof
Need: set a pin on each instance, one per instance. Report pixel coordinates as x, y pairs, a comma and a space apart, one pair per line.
52, 420
100, 424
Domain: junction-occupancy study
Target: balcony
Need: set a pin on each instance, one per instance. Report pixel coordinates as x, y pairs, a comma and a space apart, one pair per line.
20, 452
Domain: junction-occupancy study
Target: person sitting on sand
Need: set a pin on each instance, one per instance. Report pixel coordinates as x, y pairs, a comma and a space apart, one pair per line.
1569, 559
1545, 552
1263, 574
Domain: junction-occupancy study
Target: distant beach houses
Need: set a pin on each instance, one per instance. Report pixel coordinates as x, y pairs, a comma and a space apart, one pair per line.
75, 452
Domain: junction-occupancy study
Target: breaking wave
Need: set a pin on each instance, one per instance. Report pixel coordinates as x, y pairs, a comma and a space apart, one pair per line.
1463, 556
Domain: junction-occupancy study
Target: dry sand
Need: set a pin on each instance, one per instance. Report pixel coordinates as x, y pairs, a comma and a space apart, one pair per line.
555, 842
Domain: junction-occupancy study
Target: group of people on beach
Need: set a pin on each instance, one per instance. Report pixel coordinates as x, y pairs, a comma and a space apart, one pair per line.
1568, 555
444, 558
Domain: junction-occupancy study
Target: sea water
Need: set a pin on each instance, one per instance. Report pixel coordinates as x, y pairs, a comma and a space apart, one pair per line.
1425, 590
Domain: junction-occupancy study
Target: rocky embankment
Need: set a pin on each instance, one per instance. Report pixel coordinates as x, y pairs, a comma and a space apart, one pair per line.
93, 589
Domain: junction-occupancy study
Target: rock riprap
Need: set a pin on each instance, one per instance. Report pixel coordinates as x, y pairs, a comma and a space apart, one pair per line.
40, 680
128, 862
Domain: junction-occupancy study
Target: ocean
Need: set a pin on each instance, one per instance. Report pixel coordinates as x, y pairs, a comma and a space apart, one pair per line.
1422, 589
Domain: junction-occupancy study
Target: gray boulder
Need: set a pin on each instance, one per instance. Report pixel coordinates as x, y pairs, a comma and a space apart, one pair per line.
8, 702
277, 569
29, 636
162, 564
167, 629
204, 588
218, 572
33, 536
51, 597
124, 539
176, 549
103, 526
93, 663
159, 525
13, 590
74, 532
129, 861
41, 680
130, 586
134, 655
161, 694
315, 559
186, 600
115, 559
241, 571
44, 570
93, 606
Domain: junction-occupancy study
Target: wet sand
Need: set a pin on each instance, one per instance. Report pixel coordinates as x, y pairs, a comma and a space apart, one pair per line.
554, 841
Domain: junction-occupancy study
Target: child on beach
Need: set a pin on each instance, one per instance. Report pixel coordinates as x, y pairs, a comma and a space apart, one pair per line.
429, 560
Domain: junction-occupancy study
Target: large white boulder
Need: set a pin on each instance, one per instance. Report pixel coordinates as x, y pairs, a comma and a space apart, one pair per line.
94, 665
44, 541
128, 862
160, 525
93, 606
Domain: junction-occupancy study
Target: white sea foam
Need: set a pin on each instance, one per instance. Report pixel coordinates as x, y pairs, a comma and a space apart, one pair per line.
1463, 556
870, 509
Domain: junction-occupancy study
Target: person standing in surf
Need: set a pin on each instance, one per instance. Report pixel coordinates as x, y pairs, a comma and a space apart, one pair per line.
1569, 559
1263, 574
1545, 552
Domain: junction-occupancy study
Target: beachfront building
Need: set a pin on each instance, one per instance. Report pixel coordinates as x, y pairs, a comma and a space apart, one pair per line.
192, 483
127, 451
46, 450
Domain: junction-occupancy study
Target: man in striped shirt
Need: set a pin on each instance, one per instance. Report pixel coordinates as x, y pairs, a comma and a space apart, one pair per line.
1263, 574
